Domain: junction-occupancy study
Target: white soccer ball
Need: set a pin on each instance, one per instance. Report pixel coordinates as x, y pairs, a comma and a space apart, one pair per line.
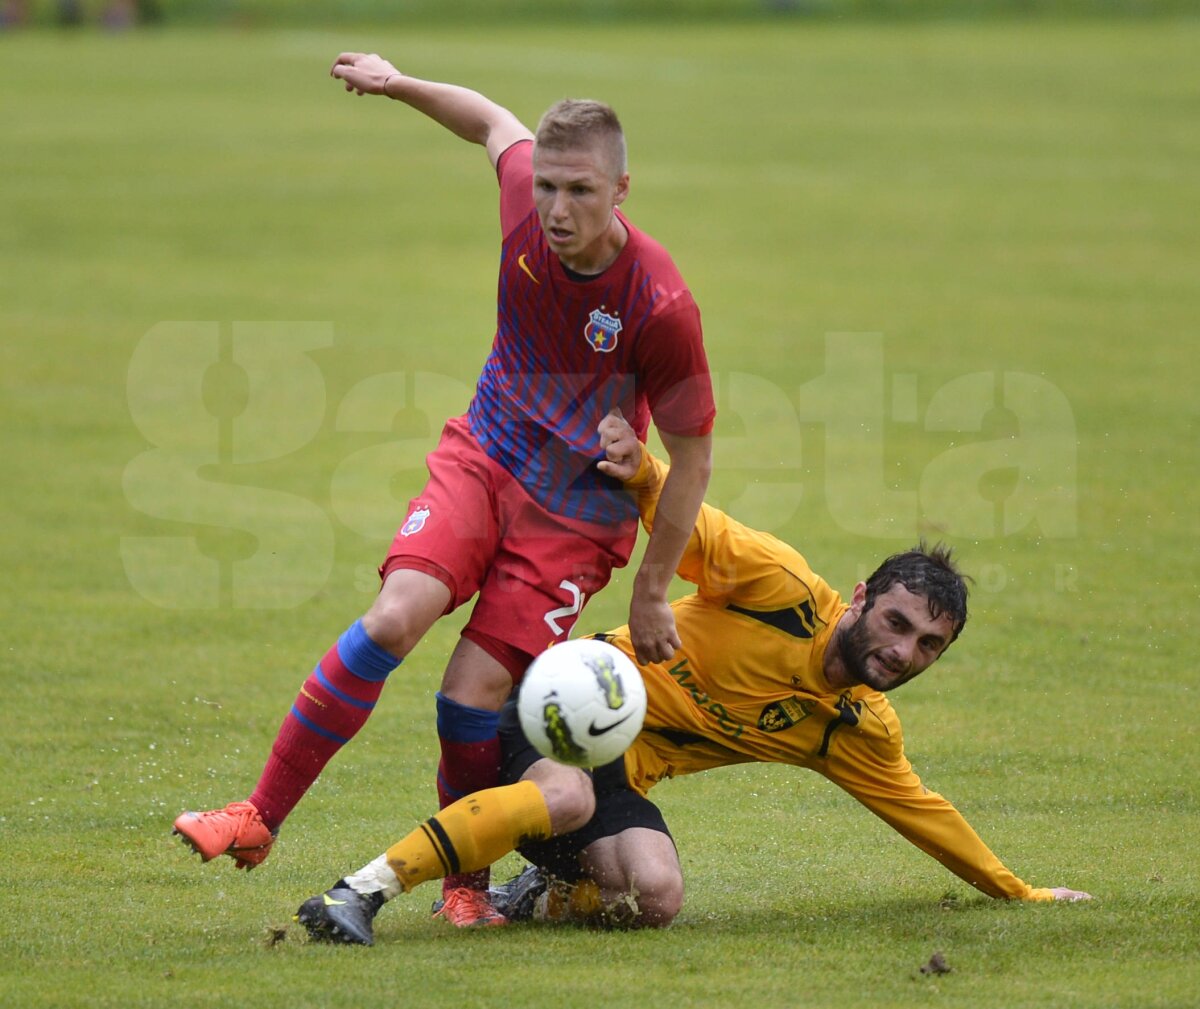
582, 703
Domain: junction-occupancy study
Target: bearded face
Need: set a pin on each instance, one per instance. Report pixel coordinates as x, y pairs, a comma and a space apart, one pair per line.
893, 639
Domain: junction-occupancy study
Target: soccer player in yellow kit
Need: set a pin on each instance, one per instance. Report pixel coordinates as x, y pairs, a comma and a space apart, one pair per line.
775, 667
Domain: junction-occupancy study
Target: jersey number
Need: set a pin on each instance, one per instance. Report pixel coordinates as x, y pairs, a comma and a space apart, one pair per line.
571, 610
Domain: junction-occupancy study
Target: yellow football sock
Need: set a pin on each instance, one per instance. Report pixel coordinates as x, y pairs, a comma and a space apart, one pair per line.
471, 833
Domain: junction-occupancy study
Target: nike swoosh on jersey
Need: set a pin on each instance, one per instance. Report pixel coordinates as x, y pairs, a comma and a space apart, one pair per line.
528, 272
330, 902
593, 731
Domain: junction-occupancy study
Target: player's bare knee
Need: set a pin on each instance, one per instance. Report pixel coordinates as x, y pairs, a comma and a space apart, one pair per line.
575, 805
652, 915
407, 606
392, 625
568, 792
659, 899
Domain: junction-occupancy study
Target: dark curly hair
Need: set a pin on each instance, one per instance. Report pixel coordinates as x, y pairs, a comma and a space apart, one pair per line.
925, 571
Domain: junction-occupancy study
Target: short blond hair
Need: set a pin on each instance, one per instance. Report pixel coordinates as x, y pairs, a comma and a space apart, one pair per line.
576, 123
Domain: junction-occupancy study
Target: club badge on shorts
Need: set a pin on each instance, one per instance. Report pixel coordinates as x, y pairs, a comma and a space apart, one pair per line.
415, 522
602, 330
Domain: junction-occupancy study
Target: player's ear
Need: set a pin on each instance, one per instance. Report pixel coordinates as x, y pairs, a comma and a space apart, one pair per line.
622, 190
859, 599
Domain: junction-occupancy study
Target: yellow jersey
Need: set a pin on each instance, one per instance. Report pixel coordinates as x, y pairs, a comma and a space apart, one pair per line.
748, 685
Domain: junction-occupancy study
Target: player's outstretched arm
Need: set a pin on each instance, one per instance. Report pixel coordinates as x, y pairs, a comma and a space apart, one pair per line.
882, 779
464, 112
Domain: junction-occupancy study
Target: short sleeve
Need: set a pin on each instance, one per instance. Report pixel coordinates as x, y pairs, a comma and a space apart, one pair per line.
515, 172
673, 368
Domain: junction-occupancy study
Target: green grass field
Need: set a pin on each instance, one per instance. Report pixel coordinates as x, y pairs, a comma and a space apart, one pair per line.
949, 281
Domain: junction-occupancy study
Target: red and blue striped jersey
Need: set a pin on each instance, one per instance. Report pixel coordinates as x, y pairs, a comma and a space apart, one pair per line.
567, 351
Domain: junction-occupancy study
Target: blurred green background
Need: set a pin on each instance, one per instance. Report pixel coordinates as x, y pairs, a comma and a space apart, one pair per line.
947, 268
467, 12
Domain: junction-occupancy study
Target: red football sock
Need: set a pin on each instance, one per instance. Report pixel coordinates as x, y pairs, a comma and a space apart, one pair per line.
470, 763
332, 706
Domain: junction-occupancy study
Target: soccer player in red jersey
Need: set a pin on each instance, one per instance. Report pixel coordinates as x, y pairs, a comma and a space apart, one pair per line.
592, 315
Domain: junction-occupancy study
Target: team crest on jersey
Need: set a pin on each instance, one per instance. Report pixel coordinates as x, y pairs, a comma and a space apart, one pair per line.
784, 714
602, 330
415, 522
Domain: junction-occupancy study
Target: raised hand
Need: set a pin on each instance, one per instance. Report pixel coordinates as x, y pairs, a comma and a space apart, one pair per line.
365, 73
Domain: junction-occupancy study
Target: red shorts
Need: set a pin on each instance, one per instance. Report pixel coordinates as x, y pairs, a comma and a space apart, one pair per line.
475, 528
